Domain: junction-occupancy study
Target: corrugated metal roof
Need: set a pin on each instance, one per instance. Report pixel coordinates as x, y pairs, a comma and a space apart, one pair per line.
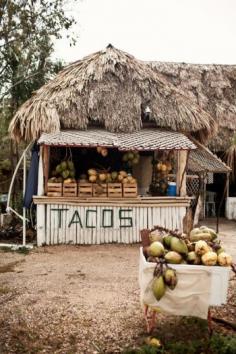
202, 160
146, 139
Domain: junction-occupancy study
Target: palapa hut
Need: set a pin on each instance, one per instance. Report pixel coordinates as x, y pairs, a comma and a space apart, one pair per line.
213, 87
110, 112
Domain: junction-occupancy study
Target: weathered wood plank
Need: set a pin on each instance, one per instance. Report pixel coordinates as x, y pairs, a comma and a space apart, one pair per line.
65, 223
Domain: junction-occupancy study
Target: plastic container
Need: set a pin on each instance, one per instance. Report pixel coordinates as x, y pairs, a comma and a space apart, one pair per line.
171, 190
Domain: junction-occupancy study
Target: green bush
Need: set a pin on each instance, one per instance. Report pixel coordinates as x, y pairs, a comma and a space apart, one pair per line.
220, 344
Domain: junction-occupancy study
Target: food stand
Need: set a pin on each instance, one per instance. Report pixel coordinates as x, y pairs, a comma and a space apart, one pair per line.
108, 115
90, 216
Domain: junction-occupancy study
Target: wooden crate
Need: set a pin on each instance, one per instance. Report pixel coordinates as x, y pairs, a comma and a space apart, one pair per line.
70, 189
85, 189
100, 190
130, 190
54, 189
114, 190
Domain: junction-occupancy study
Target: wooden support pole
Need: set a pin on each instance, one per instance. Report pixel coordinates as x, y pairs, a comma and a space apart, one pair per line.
46, 153
181, 173
227, 185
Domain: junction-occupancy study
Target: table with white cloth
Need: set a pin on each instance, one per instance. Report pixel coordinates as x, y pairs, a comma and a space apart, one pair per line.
198, 288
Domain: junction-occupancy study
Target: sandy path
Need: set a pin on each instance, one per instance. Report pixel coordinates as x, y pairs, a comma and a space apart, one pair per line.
75, 298
83, 299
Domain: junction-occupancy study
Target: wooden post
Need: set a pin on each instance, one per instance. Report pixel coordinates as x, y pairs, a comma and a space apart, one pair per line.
46, 153
181, 173
227, 185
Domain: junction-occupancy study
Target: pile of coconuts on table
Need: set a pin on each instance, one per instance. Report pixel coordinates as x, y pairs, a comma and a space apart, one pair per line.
202, 247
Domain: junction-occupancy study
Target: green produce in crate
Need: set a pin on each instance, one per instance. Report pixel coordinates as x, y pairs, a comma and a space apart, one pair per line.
209, 258
178, 245
155, 236
156, 249
63, 165
58, 169
173, 257
65, 174
202, 233
71, 165
167, 240
170, 278
193, 258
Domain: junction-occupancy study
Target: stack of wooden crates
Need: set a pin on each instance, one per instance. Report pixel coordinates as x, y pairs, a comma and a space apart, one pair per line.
86, 189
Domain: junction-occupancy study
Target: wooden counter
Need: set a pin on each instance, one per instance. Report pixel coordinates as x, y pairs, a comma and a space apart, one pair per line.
105, 220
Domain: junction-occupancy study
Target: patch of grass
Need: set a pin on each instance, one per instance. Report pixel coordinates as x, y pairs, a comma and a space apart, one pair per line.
23, 250
220, 344
5, 249
217, 344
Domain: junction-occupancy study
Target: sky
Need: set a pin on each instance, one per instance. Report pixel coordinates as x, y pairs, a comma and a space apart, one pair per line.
191, 31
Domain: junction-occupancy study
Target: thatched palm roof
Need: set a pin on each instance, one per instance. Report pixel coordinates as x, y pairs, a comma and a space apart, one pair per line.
110, 87
213, 87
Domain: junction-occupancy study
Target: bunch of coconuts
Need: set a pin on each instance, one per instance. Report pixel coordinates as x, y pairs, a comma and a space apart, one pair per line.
174, 248
103, 151
63, 171
131, 158
110, 177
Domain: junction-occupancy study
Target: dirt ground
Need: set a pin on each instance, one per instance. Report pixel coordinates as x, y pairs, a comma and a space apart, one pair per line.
85, 299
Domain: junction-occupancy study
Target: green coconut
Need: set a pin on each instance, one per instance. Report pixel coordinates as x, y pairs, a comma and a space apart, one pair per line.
173, 257
178, 245
156, 249
158, 287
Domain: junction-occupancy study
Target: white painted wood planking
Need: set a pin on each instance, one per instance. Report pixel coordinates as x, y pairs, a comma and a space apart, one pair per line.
49, 231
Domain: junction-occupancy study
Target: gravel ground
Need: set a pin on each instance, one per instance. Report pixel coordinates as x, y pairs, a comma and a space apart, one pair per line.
78, 299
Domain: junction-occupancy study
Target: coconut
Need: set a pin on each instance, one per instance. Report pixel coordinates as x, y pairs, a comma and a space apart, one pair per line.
120, 178
133, 180
173, 257
114, 175
129, 178
193, 258
130, 155
65, 174
71, 165
178, 245
163, 168
155, 236
63, 165
123, 173
158, 287
201, 247
220, 250
104, 152
224, 259
72, 174
167, 240
209, 258
92, 178
125, 157
135, 161
170, 278
156, 249
102, 177
159, 165
92, 172
58, 169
